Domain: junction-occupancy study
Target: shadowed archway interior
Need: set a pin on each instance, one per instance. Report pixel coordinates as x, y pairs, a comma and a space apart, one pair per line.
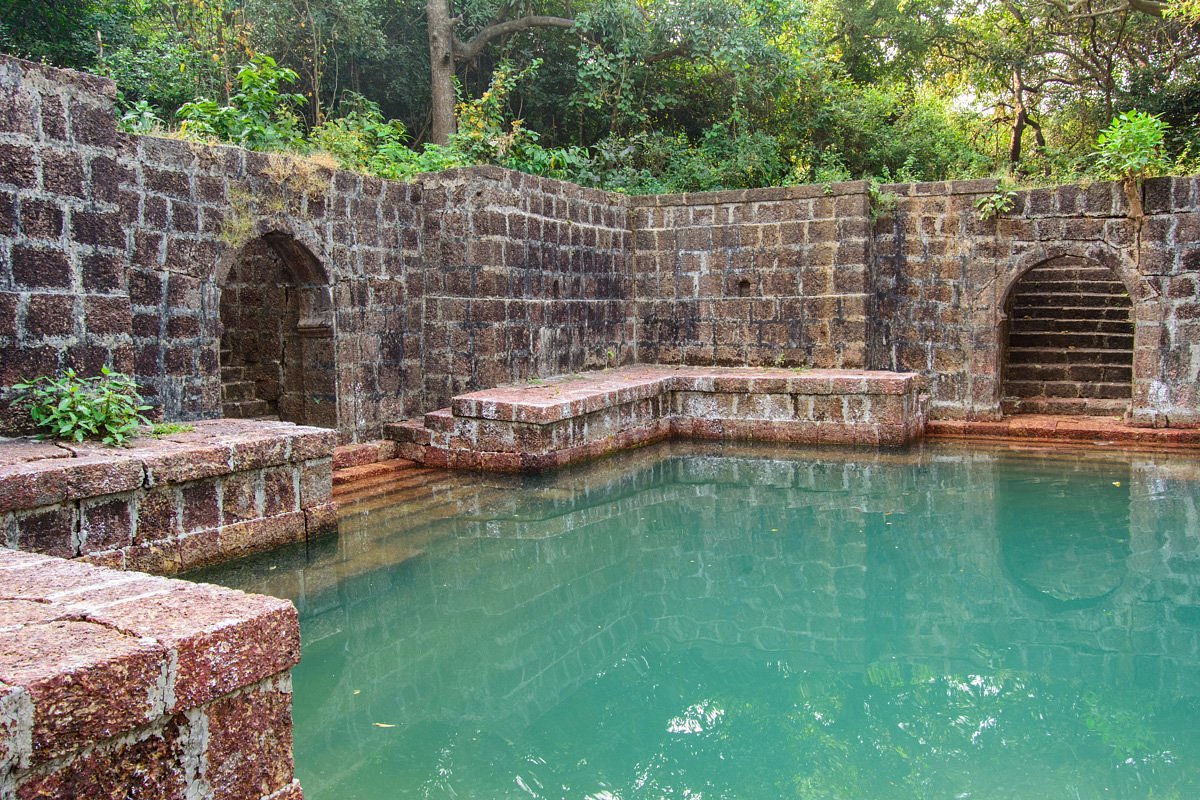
277, 344
1069, 340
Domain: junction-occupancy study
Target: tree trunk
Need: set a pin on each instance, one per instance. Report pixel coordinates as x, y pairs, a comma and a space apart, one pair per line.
441, 69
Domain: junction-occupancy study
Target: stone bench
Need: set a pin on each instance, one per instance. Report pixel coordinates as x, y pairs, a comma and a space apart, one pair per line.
225, 489
569, 418
120, 684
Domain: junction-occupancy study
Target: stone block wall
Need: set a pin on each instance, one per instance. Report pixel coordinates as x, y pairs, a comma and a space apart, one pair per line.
759, 277
523, 277
225, 490
942, 277
63, 284
117, 249
119, 685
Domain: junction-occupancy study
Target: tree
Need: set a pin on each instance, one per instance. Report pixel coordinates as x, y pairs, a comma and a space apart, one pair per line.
447, 51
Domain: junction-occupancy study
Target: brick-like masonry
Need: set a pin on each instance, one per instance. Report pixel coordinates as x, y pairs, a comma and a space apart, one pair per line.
226, 489
390, 298
122, 685
575, 417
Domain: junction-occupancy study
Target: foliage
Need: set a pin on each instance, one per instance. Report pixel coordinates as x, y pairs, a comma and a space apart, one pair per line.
883, 204
141, 117
1131, 148
1000, 201
650, 95
1185, 10
259, 116
360, 139
106, 406
161, 429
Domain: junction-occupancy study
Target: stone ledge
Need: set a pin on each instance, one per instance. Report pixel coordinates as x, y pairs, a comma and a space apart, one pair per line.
570, 418
94, 662
225, 489
1052, 429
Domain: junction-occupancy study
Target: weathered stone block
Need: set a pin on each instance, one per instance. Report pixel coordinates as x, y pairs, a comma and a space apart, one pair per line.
87, 682
105, 524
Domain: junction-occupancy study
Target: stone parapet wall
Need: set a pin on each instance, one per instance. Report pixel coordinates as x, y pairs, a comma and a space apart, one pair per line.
118, 685
758, 277
119, 249
169, 505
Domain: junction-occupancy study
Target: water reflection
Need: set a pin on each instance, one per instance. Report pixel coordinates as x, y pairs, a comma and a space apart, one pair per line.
937, 622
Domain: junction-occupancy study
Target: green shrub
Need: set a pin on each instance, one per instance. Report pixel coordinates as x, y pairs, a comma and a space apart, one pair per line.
1131, 148
105, 407
258, 117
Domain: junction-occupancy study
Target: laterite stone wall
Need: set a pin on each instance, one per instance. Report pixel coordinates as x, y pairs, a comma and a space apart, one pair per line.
134, 250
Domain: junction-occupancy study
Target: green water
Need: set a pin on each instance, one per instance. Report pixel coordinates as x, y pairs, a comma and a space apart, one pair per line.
745, 623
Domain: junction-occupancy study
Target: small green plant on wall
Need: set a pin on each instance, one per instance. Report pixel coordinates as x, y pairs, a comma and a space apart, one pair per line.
1000, 201
105, 406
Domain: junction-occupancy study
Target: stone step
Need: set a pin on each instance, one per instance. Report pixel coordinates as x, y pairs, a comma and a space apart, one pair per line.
1069, 372
441, 420
1077, 273
237, 391
247, 409
1079, 355
1068, 389
1081, 300
1063, 325
1071, 312
1077, 406
409, 430
1066, 341
1065, 285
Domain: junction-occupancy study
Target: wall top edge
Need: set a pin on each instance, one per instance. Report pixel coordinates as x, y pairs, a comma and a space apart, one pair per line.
12, 67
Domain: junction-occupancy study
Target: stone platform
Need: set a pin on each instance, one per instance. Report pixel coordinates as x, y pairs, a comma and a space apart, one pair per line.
1033, 429
225, 489
569, 418
123, 685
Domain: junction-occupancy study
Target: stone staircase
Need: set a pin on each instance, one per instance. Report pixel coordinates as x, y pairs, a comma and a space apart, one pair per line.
1070, 342
238, 399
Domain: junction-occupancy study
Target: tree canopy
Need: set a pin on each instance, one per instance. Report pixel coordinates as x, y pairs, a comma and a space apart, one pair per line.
647, 95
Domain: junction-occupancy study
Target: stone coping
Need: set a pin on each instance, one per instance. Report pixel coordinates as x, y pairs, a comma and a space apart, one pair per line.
557, 421
1058, 428
89, 654
567, 396
37, 473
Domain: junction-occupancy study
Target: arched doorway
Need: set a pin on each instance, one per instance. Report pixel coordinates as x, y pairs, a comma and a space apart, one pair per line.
277, 350
1069, 340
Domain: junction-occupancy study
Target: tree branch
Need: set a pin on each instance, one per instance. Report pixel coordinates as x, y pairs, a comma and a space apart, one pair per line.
465, 51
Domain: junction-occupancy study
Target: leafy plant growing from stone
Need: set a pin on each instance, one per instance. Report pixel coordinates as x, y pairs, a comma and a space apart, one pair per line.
105, 406
1131, 150
883, 204
259, 116
1000, 201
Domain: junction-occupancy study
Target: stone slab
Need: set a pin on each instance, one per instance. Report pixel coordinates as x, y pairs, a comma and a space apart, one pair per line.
101, 671
560, 420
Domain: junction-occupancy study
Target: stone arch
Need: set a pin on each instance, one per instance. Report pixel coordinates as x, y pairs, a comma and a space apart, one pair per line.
1067, 340
277, 350
989, 317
